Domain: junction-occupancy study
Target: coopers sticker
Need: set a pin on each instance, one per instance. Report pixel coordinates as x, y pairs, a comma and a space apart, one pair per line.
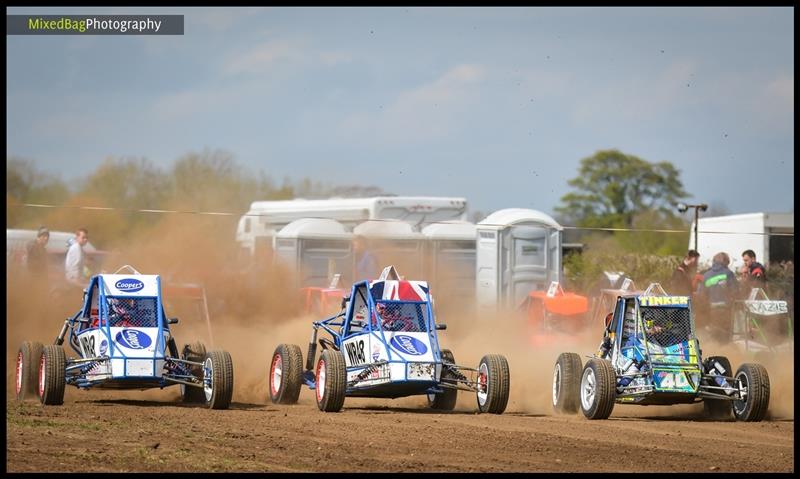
129, 285
133, 339
409, 345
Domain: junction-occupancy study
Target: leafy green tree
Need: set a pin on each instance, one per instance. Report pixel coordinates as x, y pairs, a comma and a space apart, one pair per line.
612, 187
26, 184
127, 183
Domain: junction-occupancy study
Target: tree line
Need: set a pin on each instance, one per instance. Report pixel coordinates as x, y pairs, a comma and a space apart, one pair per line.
611, 190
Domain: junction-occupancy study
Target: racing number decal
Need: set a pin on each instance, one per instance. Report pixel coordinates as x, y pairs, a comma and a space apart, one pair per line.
671, 380
355, 352
88, 346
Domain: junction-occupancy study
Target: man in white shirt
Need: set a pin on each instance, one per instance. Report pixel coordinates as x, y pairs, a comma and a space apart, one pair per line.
76, 258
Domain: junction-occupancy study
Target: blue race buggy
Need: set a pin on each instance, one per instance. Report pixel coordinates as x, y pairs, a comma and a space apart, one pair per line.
384, 345
123, 341
650, 354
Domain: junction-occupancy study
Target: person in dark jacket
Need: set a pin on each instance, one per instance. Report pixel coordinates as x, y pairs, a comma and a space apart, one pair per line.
753, 273
683, 276
36, 254
719, 288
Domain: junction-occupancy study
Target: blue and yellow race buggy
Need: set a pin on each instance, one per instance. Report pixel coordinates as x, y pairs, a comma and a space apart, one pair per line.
651, 355
384, 345
123, 341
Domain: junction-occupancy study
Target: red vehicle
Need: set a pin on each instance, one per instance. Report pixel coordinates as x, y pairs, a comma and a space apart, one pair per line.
554, 313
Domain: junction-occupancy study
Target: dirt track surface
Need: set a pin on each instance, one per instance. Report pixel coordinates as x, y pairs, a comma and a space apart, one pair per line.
124, 431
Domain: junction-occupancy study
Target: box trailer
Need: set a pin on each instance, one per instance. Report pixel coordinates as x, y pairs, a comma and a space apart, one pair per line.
769, 235
265, 218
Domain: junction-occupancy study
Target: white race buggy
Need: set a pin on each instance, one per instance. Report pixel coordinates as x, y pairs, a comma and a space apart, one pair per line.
384, 345
123, 341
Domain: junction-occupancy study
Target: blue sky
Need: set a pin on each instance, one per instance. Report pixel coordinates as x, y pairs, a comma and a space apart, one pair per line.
497, 105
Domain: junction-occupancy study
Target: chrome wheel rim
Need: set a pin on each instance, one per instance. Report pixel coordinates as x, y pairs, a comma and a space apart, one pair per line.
588, 389
483, 384
556, 383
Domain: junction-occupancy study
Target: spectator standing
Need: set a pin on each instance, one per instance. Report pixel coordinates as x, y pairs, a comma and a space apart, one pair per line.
753, 273
719, 287
36, 254
683, 276
75, 263
366, 265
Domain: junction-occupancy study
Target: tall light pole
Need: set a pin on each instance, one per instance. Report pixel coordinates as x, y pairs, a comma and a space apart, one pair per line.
683, 208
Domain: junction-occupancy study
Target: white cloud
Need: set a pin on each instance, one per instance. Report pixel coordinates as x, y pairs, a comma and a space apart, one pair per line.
267, 55
429, 111
773, 105
196, 101
639, 96
262, 57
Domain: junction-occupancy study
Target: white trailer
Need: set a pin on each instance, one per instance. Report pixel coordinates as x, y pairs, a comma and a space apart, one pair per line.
734, 234
518, 251
450, 260
266, 218
315, 249
394, 242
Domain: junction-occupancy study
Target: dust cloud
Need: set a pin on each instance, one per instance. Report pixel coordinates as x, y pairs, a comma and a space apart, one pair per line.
254, 307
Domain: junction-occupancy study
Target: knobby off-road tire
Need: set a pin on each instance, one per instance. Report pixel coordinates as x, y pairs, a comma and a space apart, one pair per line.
26, 377
445, 400
285, 374
567, 383
52, 375
718, 409
754, 407
598, 389
493, 384
218, 366
194, 352
331, 381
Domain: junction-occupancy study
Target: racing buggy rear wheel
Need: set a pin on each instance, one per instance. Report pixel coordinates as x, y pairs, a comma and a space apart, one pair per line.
195, 352
493, 384
331, 381
26, 377
218, 379
755, 387
567, 383
52, 375
445, 400
285, 374
717, 409
598, 389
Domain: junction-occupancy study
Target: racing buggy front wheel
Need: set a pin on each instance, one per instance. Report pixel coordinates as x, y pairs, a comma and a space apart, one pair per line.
285, 374
717, 409
754, 382
195, 352
493, 384
28, 358
331, 381
598, 389
567, 383
445, 400
52, 375
218, 379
